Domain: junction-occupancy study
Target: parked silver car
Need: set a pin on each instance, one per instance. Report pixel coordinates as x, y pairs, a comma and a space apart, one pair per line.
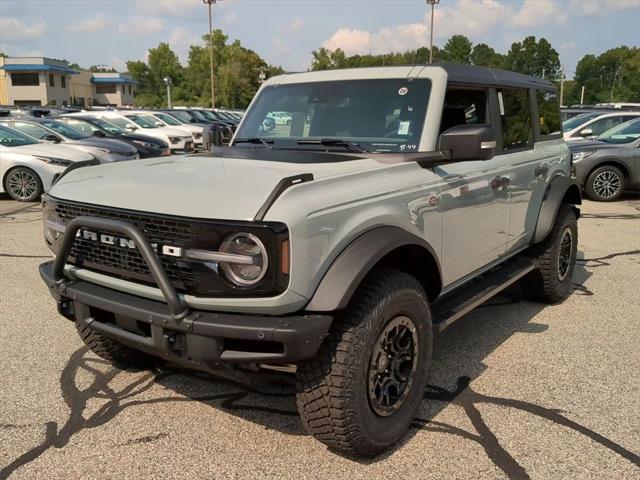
609, 165
48, 130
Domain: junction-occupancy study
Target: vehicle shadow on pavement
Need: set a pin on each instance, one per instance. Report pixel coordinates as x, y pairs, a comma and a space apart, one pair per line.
87, 381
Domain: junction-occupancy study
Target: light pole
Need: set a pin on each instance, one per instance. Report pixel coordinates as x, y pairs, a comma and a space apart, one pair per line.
213, 96
433, 6
168, 82
262, 77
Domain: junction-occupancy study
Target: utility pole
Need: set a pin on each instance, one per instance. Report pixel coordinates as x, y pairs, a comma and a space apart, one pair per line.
582, 96
561, 85
613, 84
213, 96
433, 6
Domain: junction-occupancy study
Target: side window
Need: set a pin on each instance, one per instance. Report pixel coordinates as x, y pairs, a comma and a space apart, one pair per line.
462, 107
52, 83
31, 129
548, 113
63, 81
600, 126
515, 117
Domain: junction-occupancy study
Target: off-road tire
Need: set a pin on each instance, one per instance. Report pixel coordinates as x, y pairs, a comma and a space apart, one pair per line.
332, 388
545, 284
114, 352
592, 190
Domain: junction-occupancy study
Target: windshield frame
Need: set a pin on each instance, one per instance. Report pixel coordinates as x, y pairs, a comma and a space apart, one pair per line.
142, 120
400, 142
163, 117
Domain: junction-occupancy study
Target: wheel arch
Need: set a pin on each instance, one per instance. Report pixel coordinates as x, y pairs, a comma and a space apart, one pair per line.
611, 162
391, 247
561, 190
13, 167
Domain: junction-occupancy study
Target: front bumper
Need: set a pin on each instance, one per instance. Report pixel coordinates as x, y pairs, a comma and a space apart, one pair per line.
200, 340
197, 339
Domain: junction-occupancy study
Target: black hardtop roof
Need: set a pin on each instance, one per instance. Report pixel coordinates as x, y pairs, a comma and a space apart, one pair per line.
470, 74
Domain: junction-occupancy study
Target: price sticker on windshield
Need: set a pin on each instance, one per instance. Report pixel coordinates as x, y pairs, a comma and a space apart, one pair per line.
403, 128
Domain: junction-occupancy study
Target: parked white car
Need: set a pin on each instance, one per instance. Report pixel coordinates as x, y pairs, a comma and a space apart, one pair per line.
29, 167
165, 120
590, 125
178, 140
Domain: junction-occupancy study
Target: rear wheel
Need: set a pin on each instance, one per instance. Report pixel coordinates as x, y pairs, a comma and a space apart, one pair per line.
551, 281
605, 184
23, 184
363, 388
118, 354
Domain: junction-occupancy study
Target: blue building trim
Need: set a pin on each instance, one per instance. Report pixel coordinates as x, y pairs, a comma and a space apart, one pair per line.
14, 67
129, 81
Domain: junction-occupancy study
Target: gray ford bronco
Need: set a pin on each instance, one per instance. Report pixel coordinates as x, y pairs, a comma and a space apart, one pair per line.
332, 244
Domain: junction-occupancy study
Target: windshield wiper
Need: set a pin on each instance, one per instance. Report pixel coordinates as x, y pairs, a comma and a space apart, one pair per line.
264, 141
335, 142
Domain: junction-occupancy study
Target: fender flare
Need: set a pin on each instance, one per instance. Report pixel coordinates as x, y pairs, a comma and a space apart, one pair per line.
350, 267
560, 188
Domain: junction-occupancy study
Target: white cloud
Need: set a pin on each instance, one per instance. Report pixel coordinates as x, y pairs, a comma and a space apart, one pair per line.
19, 51
599, 8
169, 8
94, 24
279, 48
16, 29
180, 41
472, 17
142, 25
118, 63
539, 12
294, 26
568, 46
229, 18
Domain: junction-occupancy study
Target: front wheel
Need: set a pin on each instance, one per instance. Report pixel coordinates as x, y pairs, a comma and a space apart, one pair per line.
23, 184
605, 184
362, 390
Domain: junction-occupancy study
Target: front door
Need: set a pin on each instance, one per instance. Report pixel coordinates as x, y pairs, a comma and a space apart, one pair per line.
474, 197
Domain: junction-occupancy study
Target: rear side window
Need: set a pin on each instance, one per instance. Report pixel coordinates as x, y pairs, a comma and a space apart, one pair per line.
515, 117
548, 113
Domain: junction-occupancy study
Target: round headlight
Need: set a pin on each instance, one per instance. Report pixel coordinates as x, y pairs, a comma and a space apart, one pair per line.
250, 272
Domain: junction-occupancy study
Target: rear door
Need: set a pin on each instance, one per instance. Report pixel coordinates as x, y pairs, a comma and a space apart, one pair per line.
474, 202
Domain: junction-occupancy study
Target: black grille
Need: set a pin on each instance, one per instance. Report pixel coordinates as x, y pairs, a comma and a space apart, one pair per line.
193, 277
127, 263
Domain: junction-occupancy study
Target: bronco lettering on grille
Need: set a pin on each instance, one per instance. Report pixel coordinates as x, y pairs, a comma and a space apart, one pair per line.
126, 242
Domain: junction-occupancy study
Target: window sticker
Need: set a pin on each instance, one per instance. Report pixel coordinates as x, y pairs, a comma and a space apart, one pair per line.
501, 104
403, 128
403, 91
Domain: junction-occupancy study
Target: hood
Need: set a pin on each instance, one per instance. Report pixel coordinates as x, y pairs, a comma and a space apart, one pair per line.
53, 150
199, 186
109, 144
173, 132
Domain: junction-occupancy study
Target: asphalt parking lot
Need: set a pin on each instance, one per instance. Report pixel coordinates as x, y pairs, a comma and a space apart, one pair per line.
517, 389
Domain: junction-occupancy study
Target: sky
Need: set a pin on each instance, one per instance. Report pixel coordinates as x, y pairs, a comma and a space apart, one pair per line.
284, 32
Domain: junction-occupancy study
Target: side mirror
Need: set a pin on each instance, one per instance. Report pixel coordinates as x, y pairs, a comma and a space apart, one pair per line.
212, 136
50, 137
586, 132
469, 142
131, 128
159, 124
99, 134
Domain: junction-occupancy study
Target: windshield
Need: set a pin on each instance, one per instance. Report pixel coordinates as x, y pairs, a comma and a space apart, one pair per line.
378, 115
82, 125
623, 133
65, 130
577, 121
144, 121
108, 126
13, 138
199, 116
182, 116
168, 119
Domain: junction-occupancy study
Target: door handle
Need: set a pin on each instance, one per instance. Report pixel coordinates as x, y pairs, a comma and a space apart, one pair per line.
541, 171
499, 182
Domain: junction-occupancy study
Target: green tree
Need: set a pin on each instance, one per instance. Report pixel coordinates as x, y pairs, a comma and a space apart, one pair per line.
485, 56
457, 50
533, 57
616, 71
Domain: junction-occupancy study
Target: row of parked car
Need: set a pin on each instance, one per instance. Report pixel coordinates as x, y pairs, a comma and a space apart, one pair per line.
605, 146
37, 144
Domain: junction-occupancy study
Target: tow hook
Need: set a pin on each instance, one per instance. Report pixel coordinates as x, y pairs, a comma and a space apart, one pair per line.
65, 308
